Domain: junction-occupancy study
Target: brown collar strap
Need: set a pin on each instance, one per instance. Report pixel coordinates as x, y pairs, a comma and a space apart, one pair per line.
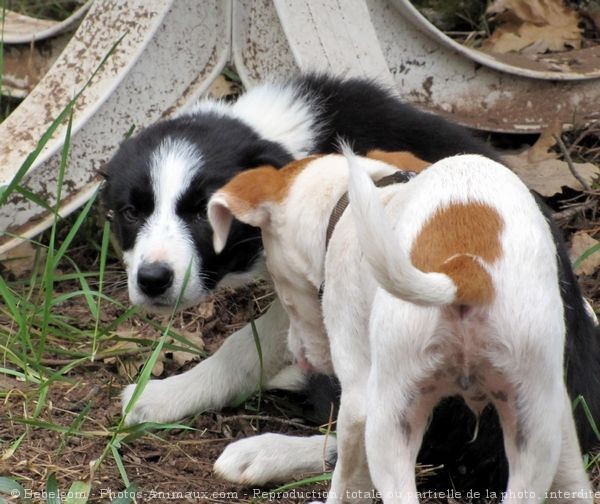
398, 177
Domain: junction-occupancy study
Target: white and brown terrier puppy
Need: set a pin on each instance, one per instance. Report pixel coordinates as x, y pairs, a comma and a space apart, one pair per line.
445, 285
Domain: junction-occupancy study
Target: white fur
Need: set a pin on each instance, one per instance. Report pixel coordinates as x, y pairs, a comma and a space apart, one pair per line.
215, 382
274, 458
276, 112
164, 237
389, 352
590, 311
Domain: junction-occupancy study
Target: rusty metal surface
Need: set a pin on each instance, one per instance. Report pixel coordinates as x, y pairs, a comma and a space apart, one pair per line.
259, 45
333, 35
441, 80
171, 53
21, 29
432, 75
578, 64
24, 65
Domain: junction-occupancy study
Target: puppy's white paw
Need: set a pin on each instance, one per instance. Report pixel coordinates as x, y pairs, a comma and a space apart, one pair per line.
160, 402
271, 458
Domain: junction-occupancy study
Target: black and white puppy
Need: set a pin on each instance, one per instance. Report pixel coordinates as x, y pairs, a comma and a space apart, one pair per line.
158, 185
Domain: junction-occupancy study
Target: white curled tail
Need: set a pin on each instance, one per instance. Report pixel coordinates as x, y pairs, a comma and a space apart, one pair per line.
391, 264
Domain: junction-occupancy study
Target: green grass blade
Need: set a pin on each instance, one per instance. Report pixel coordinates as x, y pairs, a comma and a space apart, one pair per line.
592, 250
8, 189
119, 461
11, 302
307, 481
78, 492
126, 315
2, 49
50, 263
103, 256
23, 376
88, 294
10, 487
41, 399
74, 229
580, 400
134, 432
52, 491
126, 496
62, 429
589, 462
260, 361
13, 447
75, 426
35, 199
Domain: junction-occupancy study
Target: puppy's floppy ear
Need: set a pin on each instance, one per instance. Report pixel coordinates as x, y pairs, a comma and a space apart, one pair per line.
249, 197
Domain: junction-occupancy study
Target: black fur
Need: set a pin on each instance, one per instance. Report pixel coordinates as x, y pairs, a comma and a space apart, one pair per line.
369, 117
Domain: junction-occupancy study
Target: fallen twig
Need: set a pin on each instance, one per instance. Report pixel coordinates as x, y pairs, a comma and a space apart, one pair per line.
268, 418
575, 209
567, 156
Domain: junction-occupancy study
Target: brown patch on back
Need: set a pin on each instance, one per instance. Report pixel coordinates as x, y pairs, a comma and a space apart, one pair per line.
290, 171
250, 188
451, 238
403, 160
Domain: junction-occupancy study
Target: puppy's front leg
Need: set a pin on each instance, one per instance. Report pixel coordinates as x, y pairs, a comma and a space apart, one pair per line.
232, 372
274, 458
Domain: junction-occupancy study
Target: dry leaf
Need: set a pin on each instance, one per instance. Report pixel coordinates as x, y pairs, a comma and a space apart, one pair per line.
549, 176
20, 259
541, 171
540, 150
221, 87
205, 310
182, 357
581, 243
129, 365
533, 26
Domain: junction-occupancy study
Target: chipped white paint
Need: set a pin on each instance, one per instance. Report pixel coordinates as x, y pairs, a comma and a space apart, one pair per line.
171, 52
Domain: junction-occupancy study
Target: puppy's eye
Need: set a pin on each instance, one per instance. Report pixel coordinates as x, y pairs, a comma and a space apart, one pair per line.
200, 213
130, 214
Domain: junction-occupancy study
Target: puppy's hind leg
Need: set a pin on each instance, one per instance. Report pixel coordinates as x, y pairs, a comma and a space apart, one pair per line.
401, 397
531, 424
571, 483
395, 427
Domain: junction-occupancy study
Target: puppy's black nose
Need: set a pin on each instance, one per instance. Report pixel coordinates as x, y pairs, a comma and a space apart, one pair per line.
154, 278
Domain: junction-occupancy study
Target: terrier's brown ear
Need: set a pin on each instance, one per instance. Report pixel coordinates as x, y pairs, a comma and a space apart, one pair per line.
247, 197
403, 160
